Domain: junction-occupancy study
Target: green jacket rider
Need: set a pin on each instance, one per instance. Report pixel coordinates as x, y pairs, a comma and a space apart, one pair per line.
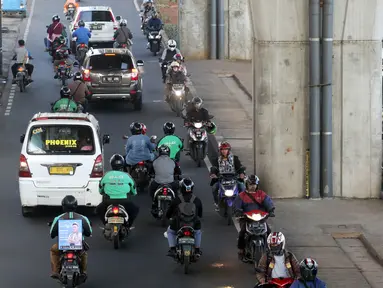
174, 143
65, 104
117, 185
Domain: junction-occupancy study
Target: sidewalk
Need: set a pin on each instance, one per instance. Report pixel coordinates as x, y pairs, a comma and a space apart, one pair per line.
340, 234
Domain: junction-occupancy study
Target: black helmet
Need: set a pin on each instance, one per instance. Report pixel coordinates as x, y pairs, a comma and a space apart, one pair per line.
309, 269
197, 102
55, 18
251, 182
169, 128
117, 162
62, 40
69, 203
123, 22
163, 150
81, 23
77, 76
186, 185
65, 92
136, 128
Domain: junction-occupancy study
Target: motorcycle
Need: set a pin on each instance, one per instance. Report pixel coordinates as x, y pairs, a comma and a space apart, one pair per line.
163, 196
115, 229
81, 51
155, 39
227, 192
22, 78
164, 68
70, 14
278, 283
198, 141
178, 98
127, 45
255, 236
63, 72
80, 108
139, 171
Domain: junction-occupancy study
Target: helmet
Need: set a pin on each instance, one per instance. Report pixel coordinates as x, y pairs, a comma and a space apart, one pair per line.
81, 23
62, 40
164, 150
309, 269
123, 22
154, 14
276, 243
172, 45
143, 129
252, 182
186, 185
177, 57
136, 128
197, 102
169, 128
55, 18
69, 203
225, 145
65, 92
175, 64
77, 76
117, 162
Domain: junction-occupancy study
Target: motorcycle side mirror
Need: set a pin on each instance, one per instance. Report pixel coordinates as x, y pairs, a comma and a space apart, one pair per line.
118, 18
125, 137
211, 116
106, 139
49, 223
68, 18
47, 26
153, 137
22, 138
140, 63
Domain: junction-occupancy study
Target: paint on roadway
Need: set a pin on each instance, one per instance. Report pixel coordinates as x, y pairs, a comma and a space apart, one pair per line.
25, 242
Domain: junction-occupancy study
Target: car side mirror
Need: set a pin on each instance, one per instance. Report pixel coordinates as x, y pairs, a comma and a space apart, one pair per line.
140, 63
105, 139
22, 138
118, 18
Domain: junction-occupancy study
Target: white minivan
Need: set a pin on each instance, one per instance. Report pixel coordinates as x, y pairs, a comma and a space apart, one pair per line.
62, 154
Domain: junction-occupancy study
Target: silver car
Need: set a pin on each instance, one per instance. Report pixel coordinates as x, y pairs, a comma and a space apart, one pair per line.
113, 73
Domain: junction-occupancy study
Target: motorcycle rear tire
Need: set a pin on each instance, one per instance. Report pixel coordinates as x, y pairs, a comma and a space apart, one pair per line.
21, 85
186, 264
116, 241
164, 207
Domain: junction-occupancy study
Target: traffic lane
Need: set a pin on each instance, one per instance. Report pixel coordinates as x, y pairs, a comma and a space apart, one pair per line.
101, 251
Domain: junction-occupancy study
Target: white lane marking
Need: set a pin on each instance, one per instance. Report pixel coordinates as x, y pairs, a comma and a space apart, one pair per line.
137, 6
13, 87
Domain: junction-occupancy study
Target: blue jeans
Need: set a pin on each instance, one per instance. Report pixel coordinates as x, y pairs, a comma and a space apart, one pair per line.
172, 238
215, 189
47, 43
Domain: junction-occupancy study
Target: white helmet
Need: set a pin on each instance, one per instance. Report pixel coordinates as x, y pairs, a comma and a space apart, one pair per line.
175, 64
276, 242
123, 22
172, 45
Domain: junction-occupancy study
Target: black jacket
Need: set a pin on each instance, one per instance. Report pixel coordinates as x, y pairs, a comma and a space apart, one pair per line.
173, 210
201, 115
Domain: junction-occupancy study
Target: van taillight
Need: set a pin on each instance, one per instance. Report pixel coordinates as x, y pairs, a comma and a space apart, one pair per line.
24, 168
134, 75
98, 168
86, 75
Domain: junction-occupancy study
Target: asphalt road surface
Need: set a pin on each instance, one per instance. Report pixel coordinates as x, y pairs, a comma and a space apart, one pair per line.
141, 262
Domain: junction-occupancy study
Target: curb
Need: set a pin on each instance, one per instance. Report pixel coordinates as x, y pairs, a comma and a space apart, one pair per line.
242, 87
371, 249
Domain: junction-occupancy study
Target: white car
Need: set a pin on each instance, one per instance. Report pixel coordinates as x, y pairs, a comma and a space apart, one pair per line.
100, 20
62, 154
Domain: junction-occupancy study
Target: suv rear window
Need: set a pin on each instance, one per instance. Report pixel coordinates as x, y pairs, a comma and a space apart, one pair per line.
96, 16
60, 140
111, 61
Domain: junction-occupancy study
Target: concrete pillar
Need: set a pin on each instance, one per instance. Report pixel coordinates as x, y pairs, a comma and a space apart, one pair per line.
281, 32
194, 28
357, 92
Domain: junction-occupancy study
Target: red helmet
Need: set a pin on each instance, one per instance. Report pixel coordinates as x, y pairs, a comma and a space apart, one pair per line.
178, 56
143, 128
224, 145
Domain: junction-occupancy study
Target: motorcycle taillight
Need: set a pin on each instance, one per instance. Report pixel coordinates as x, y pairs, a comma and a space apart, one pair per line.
62, 63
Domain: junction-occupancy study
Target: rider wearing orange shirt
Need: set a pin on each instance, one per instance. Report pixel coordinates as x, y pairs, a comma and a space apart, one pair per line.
73, 2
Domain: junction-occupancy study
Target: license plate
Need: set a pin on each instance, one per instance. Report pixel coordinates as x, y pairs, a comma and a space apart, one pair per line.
61, 170
154, 41
116, 220
96, 27
162, 197
111, 79
186, 241
187, 253
71, 267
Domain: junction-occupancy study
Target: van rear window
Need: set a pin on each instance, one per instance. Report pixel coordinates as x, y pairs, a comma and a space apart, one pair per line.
111, 62
96, 16
61, 140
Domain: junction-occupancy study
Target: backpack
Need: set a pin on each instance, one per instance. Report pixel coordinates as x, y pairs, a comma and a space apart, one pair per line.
187, 211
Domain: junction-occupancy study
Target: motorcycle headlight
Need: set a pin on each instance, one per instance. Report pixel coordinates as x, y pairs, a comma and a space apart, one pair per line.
158, 36
229, 193
178, 93
151, 36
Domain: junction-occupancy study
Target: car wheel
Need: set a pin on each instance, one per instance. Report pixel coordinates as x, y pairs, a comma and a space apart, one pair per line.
138, 103
26, 211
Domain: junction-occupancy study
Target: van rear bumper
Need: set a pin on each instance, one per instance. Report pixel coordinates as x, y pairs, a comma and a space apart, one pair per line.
31, 196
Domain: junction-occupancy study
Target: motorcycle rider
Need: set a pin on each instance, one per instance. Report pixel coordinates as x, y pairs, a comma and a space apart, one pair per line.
79, 91
147, 7
179, 59
167, 56
177, 213
65, 103
116, 187
251, 199
154, 24
277, 262
69, 205
165, 171
174, 143
62, 54
139, 147
308, 279
123, 35
82, 34
55, 30
70, 2
174, 76
226, 163
22, 57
